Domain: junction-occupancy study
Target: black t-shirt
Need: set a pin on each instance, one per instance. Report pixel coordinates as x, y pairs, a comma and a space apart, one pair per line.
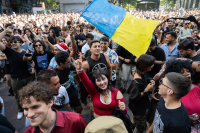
57, 30
80, 37
159, 55
42, 60
196, 58
64, 76
19, 68
171, 120
121, 51
5, 123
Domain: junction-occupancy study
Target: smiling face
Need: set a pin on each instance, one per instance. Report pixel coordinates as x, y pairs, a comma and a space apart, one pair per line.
36, 111
55, 84
96, 48
102, 82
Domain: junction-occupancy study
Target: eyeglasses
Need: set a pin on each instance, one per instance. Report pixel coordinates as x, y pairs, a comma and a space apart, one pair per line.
38, 45
161, 83
14, 42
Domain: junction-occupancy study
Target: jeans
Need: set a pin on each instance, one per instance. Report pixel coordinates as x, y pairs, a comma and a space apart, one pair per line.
18, 84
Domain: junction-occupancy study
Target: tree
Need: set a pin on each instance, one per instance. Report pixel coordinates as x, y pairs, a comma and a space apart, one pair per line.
169, 3
50, 3
127, 3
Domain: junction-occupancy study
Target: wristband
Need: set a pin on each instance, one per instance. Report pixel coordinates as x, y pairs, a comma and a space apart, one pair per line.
79, 71
144, 92
124, 59
191, 61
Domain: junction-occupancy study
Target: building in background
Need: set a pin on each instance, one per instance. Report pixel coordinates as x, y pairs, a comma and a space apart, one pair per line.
5, 6
188, 4
22, 6
73, 5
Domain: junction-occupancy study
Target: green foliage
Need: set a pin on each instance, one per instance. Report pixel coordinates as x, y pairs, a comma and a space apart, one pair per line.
128, 3
50, 3
167, 2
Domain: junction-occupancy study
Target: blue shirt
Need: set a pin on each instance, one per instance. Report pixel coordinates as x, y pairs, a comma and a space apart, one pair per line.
173, 54
113, 59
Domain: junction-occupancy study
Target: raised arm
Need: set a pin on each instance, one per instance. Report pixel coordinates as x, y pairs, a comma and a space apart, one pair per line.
73, 43
2, 34
90, 87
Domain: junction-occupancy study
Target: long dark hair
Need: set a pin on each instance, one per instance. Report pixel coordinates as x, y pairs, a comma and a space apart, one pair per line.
41, 42
143, 62
98, 74
54, 34
32, 35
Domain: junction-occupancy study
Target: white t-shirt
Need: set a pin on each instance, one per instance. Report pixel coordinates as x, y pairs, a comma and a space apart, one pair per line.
62, 98
85, 48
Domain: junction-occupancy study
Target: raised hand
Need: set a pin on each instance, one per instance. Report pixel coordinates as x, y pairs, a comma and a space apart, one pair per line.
121, 105
71, 32
9, 29
77, 64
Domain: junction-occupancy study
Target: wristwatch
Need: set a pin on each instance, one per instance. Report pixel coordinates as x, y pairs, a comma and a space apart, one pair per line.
124, 59
144, 92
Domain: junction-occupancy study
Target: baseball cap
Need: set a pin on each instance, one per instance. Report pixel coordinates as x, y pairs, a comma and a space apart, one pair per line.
46, 25
106, 124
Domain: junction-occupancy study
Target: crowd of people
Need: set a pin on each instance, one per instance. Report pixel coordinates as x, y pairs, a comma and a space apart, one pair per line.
55, 64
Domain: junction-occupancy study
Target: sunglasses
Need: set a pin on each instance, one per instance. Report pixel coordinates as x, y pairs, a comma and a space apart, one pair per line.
161, 83
176, 31
14, 42
38, 45
187, 23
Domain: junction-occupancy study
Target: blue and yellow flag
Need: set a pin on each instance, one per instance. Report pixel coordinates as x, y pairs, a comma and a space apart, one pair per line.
132, 33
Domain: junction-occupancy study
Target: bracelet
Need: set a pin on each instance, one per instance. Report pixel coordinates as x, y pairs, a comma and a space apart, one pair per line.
72, 38
79, 71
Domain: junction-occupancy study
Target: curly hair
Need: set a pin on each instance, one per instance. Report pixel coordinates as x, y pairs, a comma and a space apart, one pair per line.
177, 66
41, 42
45, 75
39, 90
61, 57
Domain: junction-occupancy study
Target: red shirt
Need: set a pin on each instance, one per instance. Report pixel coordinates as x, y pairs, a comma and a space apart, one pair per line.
100, 108
69, 122
191, 101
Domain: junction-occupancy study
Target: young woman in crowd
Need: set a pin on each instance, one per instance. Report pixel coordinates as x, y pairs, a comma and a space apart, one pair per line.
30, 35
53, 34
105, 98
40, 33
138, 91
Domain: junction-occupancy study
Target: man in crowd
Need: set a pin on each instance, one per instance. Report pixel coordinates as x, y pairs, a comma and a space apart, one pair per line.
159, 56
64, 35
56, 28
46, 30
60, 98
63, 70
185, 31
171, 116
169, 25
82, 37
128, 67
104, 41
19, 69
187, 49
86, 47
37, 99
92, 29
170, 48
